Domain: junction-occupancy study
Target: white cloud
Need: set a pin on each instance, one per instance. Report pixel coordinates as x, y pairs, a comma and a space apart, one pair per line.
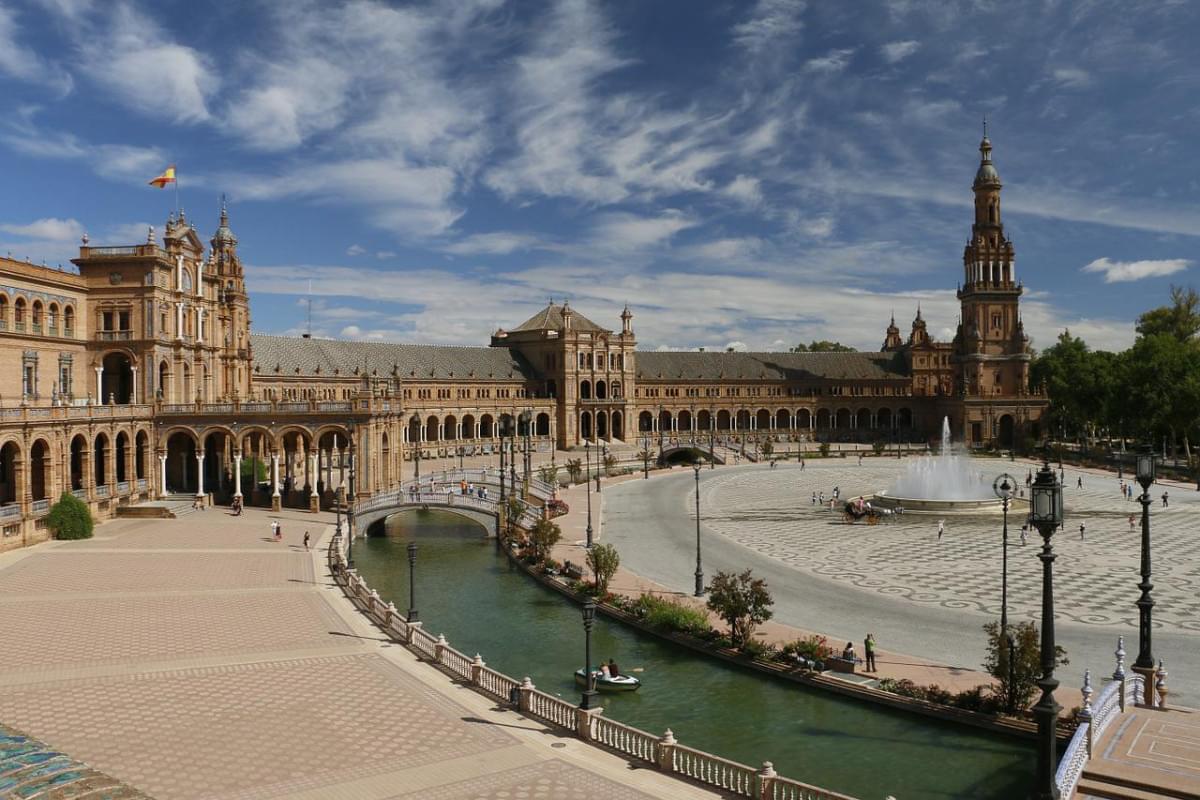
894, 52
832, 62
116, 161
497, 243
383, 255
355, 250
50, 229
623, 232
25, 64
745, 189
1123, 271
1071, 77
770, 22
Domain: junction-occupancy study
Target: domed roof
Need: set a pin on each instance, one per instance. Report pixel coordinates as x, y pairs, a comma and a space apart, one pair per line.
986, 175
224, 235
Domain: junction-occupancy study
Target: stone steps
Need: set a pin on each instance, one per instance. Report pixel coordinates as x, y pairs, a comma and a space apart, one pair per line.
1113, 788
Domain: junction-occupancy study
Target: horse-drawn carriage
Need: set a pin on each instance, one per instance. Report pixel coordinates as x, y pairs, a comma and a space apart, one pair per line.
857, 509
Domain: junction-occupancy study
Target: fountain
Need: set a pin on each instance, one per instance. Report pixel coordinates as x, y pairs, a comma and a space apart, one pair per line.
945, 483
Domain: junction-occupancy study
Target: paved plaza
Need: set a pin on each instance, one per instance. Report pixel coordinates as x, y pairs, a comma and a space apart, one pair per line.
919, 594
197, 658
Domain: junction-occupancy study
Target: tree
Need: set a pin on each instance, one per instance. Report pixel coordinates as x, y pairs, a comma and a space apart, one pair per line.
548, 473
1162, 382
69, 518
822, 346
1180, 320
610, 462
513, 509
544, 535
767, 447
742, 601
1027, 663
603, 561
1082, 384
574, 469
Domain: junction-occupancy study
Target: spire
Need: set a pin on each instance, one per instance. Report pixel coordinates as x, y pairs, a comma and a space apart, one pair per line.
986, 176
223, 236
225, 210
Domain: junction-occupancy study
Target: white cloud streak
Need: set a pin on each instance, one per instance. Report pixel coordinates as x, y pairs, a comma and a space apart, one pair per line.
1125, 271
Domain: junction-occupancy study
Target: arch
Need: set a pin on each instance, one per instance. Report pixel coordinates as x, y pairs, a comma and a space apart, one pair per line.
614, 390
68, 320
100, 446
19, 306
52, 317
601, 390
79, 451
39, 469
487, 427
385, 460
181, 461
618, 426
842, 420
883, 418
762, 419
468, 426
185, 384
164, 381
1006, 432
431, 429
664, 421
862, 420
122, 456
824, 419
904, 418
685, 420
10, 454
645, 422
704, 420
723, 420
541, 425
743, 420
116, 384
585, 424
141, 446
783, 419
450, 428
601, 425
804, 419
3, 311
35, 315
585, 390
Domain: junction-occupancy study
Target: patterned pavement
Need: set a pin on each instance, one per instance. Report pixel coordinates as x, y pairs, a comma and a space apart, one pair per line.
196, 659
1096, 579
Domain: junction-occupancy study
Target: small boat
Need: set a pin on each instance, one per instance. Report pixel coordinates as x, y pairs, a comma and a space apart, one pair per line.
621, 683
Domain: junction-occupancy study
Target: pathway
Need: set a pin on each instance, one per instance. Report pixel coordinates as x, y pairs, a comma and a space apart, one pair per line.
196, 658
1145, 754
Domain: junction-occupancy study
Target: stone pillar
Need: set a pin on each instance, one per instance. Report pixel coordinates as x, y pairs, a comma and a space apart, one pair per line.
237, 473
314, 502
162, 474
199, 473
100, 385
276, 502
666, 751
133, 386
179, 322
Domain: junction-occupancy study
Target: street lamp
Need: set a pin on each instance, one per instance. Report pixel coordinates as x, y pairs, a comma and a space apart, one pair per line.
645, 457
712, 451
412, 582
1005, 487
1046, 514
602, 458
589, 681
699, 569
1145, 660
415, 422
460, 458
526, 419
587, 479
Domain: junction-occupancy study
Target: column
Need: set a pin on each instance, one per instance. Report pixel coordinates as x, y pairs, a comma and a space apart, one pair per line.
199, 324
199, 473
179, 320
275, 474
162, 474
133, 386
237, 473
100, 385
314, 502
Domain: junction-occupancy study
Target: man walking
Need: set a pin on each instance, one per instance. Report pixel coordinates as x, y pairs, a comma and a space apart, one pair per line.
1081, 531
869, 649
941, 528
1164, 500
306, 540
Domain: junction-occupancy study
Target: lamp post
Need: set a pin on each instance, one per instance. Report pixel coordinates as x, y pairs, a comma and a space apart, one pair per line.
588, 700
699, 569
350, 499
1046, 514
1144, 665
412, 582
587, 479
337, 493
1004, 487
415, 422
712, 450
460, 458
645, 457
526, 421
601, 461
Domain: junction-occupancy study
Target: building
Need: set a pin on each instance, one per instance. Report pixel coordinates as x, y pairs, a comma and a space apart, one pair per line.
139, 377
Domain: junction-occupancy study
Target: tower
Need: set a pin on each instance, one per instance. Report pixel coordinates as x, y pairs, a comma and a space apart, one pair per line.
233, 310
892, 341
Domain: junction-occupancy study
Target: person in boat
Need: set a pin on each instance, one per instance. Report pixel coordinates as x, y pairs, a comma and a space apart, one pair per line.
604, 673
613, 670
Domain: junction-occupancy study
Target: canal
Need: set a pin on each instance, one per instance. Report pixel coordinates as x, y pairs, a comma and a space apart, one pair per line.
467, 590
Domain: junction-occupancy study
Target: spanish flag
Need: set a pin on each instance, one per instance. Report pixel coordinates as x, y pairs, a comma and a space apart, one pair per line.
168, 176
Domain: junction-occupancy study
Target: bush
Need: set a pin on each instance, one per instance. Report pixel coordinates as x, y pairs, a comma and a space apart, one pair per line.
756, 649
1016, 694
69, 518
671, 615
548, 473
879, 447
575, 469
603, 561
814, 648
824, 449
544, 536
742, 601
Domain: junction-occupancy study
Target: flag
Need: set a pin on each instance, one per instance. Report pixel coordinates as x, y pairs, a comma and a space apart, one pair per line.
168, 176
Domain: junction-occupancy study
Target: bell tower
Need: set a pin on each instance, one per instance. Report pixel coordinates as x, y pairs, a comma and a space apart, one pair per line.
233, 310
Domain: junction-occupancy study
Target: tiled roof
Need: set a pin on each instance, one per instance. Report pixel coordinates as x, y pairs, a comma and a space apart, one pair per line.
770, 366
408, 361
550, 318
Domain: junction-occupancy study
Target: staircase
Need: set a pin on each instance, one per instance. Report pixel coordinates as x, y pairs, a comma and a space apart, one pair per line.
172, 506
1146, 754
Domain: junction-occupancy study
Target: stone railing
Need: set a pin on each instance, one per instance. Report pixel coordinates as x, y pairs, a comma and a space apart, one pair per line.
94, 411
9, 511
41, 506
102, 490
663, 752
1094, 719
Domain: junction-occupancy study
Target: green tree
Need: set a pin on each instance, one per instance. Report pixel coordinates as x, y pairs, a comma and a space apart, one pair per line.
544, 535
548, 473
69, 518
822, 346
1026, 654
575, 469
1162, 382
1082, 385
513, 509
1180, 320
742, 601
767, 447
610, 462
603, 561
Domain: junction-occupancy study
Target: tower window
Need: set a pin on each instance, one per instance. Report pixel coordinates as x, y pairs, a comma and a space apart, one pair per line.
996, 320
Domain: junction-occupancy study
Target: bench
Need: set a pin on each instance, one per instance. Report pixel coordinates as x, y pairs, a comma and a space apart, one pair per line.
572, 571
839, 664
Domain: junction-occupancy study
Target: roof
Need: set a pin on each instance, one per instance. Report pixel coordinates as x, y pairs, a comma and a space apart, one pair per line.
770, 366
550, 318
411, 361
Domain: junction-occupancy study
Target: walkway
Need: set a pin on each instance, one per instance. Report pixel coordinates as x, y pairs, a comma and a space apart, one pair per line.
1145, 754
197, 658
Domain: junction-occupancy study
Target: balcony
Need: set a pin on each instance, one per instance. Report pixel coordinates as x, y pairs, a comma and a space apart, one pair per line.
119, 252
114, 336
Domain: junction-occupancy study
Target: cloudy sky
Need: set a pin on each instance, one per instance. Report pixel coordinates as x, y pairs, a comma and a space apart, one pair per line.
741, 173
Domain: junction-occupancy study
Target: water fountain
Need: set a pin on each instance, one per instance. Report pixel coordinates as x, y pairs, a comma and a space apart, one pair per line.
944, 483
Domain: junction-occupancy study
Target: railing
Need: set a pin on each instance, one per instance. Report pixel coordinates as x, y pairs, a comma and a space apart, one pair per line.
497, 684
122, 487
95, 252
292, 406
336, 406
142, 484
114, 336
41, 506
552, 709
788, 789
714, 770
10, 510
255, 407
423, 643
456, 662
625, 739
102, 490
80, 493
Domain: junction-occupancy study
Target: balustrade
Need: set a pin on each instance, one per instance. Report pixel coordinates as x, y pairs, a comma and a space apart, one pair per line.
624, 739
456, 662
41, 506
714, 770
424, 643
497, 684
552, 709
9, 511
102, 490
788, 789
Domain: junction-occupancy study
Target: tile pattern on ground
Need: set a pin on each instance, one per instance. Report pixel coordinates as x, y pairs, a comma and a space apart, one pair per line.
546, 780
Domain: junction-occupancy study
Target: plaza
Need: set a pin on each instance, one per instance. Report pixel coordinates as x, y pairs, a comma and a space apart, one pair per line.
918, 594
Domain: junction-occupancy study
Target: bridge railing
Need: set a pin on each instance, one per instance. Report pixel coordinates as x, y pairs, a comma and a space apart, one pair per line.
664, 752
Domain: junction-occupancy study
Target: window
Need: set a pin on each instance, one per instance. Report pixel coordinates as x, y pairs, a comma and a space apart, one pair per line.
122, 320
68, 321
64, 375
106, 323
29, 361
3, 312
996, 320
52, 318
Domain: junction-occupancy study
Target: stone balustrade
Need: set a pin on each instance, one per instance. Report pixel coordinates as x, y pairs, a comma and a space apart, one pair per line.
663, 752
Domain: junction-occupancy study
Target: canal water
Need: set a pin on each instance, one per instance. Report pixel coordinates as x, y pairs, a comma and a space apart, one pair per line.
469, 592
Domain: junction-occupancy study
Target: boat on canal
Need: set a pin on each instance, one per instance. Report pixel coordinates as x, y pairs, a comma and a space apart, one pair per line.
608, 683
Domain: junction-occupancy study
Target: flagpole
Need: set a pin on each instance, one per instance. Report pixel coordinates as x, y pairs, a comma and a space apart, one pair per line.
176, 190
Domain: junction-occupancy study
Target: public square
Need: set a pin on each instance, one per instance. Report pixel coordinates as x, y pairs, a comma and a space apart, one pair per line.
918, 594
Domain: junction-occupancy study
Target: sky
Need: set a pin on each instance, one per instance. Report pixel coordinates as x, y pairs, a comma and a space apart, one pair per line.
742, 174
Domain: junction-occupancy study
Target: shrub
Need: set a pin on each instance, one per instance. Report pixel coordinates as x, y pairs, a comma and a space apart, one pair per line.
824, 449
544, 536
610, 461
767, 448
671, 615
1016, 694
548, 473
814, 648
756, 649
575, 469
603, 561
69, 518
742, 601
879, 447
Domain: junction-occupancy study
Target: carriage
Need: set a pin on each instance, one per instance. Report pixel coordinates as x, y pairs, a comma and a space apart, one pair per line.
854, 510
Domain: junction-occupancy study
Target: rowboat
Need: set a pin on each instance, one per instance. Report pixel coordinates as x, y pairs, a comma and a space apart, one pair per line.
621, 683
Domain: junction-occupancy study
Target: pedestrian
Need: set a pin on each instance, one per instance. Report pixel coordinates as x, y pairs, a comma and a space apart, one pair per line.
869, 650
1024, 528
801, 464
274, 528
1079, 482
1081, 531
278, 532
306, 540
1131, 523
1164, 500
941, 528
860, 459
814, 502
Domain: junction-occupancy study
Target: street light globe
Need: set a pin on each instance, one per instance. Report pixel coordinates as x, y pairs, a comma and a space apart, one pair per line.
589, 612
1145, 467
696, 466
1046, 499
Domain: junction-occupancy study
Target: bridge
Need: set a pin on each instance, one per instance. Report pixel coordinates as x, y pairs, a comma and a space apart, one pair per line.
671, 450
441, 490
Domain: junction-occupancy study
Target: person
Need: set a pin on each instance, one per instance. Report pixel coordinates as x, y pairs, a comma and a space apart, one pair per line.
848, 652
1164, 500
1024, 528
306, 540
275, 528
860, 459
1079, 482
278, 532
869, 650
814, 502
802, 465
1131, 523
941, 528
837, 491
613, 670
604, 673
1081, 531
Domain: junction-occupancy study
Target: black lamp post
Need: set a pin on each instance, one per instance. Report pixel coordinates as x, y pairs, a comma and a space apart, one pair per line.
415, 422
712, 450
1145, 660
337, 493
699, 569
460, 458
601, 460
526, 421
645, 457
1004, 487
588, 700
587, 479
1046, 514
412, 582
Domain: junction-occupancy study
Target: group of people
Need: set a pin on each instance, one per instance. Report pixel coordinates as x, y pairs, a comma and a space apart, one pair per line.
277, 533
868, 652
610, 670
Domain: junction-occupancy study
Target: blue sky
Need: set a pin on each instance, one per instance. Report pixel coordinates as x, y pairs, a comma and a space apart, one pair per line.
741, 173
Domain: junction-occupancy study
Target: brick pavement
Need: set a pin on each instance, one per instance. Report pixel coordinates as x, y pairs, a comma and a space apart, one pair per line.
194, 658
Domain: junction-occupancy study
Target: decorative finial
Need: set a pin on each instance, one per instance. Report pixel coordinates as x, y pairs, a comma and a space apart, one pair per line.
985, 126
85, 238
224, 210
149, 234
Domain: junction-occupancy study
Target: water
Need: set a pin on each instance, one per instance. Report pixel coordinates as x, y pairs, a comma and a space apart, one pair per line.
468, 591
945, 476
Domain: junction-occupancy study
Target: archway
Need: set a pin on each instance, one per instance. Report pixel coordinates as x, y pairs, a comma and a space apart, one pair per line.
120, 457
883, 418
10, 454
743, 420
141, 445
297, 481
601, 425
164, 382
450, 428
100, 445
905, 419
664, 421
823, 419
843, 419
804, 419
468, 426
39, 470
116, 379
618, 427
723, 420
487, 427
685, 420
585, 390
601, 390
762, 420
333, 460
783, 419
585, 425
862, 420
542, 425
1007, 428
79, 449
185, 386
645, 422
385, 461
181, 464
704, 420
431, 429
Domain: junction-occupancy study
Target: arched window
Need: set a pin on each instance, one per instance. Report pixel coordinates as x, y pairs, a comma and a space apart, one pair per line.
19, 314
36, 316
68, 321
52, 318
3, 311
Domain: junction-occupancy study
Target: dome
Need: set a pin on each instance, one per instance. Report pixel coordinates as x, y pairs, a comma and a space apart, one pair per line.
987, 174
224, 235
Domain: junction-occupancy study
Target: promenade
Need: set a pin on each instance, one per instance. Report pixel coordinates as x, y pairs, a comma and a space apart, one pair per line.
197, 658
